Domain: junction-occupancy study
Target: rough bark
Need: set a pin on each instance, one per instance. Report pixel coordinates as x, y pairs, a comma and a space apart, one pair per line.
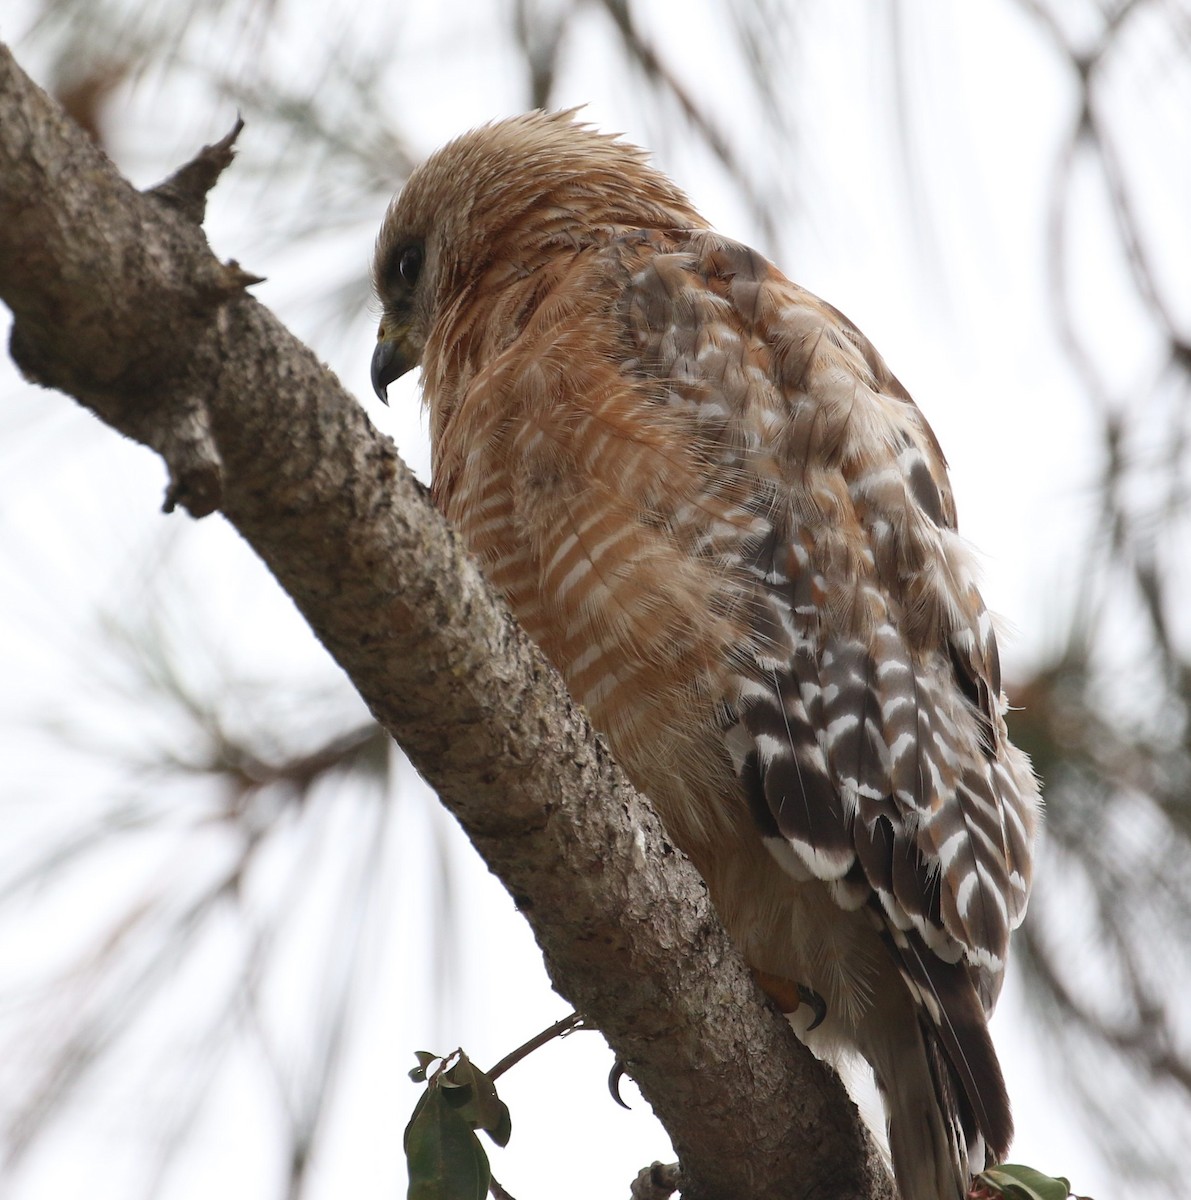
118, 300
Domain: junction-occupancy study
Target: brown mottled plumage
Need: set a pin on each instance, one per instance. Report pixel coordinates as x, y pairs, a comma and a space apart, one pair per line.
706, 496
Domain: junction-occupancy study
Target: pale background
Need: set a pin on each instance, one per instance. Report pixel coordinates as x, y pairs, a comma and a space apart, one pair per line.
164, 1036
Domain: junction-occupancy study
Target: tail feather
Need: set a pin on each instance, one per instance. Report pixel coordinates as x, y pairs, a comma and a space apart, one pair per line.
955, 1032
934, 1063
926, 1141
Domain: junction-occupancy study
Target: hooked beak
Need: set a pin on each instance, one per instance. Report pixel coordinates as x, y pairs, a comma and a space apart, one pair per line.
390, 360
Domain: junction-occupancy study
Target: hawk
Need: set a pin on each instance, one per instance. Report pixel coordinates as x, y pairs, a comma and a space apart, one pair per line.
708, 499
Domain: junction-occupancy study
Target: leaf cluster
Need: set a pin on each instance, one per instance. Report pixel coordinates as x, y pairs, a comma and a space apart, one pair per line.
1013, 1181
446, 1159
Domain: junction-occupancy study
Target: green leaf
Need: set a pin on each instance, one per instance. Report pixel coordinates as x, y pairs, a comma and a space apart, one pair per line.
491, 1112
474, 1095
425, 1058
445, 1158
1023, 1183
413, 1120
501, 1129
460, 1078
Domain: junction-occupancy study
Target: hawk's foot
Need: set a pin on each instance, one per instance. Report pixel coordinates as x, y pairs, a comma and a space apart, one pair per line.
790, 996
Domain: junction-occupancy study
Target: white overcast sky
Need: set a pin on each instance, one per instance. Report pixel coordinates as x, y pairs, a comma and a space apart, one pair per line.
942, 265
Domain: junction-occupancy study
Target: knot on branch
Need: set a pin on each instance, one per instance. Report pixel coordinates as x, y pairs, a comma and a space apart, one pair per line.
181, 434
228, 279
187, 188
657, 1182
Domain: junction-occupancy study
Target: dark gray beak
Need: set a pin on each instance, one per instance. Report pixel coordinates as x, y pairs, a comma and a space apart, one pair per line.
387, 365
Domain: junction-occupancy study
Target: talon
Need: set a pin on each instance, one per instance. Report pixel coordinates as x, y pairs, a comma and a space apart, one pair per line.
614, 1078
817, 1003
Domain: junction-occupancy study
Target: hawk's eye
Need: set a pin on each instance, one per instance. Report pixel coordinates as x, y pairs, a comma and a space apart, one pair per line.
409, 264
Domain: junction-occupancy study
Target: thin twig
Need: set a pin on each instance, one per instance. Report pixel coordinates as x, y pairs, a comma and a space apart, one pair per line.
558, 1029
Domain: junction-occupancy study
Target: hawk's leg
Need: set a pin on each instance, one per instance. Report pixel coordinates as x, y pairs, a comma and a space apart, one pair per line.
789, 996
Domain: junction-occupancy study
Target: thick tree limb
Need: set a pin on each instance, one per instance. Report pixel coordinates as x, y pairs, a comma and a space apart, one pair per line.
118, 300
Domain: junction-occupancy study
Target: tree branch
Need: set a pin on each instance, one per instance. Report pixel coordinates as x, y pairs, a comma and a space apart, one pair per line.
118, 300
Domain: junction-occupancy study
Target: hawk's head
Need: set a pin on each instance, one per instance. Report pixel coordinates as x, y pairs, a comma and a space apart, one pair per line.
496, 203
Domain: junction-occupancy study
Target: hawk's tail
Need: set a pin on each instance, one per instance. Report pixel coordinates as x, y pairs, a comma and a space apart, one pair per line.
938, 1075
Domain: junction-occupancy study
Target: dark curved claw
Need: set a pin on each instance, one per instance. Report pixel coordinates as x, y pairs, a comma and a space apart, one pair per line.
817, 1003
614, 1078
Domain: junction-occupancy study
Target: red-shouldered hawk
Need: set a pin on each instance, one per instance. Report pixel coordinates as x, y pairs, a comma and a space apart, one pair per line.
706, 496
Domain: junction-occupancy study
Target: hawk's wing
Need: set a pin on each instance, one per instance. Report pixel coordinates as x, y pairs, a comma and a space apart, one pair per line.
867, 723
